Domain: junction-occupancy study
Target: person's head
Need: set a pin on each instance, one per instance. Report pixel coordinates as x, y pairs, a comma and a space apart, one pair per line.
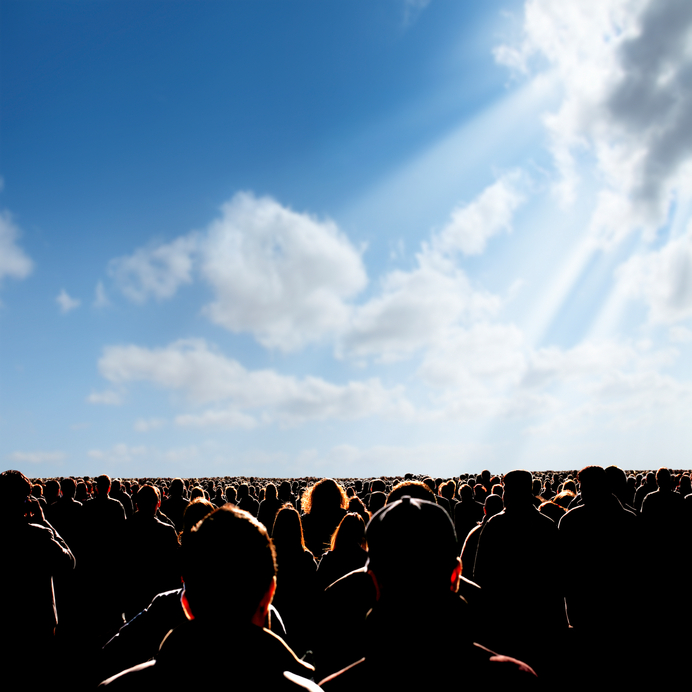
377, 486
103, 485
15, 488
177, 487
148, 499
412, 489
324, 497
270, 492
68, 487
593, 483
493, 505
466, 493
195, 511
240, 582
617, 480
349, 533
413, 549
518, 488
663, 478
287, 532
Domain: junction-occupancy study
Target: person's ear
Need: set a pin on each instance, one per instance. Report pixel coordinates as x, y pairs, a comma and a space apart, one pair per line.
186, 605
456, 577
260, 616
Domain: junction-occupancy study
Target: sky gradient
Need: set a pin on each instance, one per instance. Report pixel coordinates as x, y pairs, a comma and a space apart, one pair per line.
344, 238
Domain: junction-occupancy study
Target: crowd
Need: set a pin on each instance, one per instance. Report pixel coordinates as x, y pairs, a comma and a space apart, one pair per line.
521, 581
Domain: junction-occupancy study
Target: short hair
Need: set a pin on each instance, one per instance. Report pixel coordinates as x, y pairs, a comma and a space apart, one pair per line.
147, 497
14, 487
241, 572
412, 489
412, 544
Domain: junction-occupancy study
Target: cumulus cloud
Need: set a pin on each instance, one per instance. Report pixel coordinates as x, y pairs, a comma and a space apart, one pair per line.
490, 370
626, 70
414, 309
473, 224
13, 260
663, 279
204, 376
155, 271
67, 303
282, 276
277, 274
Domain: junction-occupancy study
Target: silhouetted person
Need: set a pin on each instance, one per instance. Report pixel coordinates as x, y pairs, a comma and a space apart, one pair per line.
468, 513
32, 554
347, 551
518, 567
151, 553
324, 505
226, 601
174, 506
417, 634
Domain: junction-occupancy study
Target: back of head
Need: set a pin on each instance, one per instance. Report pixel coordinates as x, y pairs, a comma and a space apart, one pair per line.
617, 480
287, 532
593, 483
412, 548
103, 484
14, 489
325, 496
378, 486
663, 478
147, 499
518, 488
493, 505
349, 533
244, 564
412, 489
68, 486
195, 511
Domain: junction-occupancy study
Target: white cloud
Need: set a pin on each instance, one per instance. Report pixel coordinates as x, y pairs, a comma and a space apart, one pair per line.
108, 397
680, 335
414, 309
277, 274
625, 67
13, 260
66, 303
663, 279
472, 225
280, 275
204, 376
157, 270
38, 457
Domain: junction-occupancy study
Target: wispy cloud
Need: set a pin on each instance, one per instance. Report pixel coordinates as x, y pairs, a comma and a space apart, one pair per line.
37, 457
205, 376
14, 262
67, 303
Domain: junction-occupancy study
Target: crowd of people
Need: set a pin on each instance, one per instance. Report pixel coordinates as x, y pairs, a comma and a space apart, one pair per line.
521, 580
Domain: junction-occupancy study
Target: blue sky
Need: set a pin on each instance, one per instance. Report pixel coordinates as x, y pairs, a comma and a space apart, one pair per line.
344, 238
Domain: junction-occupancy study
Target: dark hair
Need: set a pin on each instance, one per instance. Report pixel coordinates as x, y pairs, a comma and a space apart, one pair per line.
351, 530
241, 572
325, 496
